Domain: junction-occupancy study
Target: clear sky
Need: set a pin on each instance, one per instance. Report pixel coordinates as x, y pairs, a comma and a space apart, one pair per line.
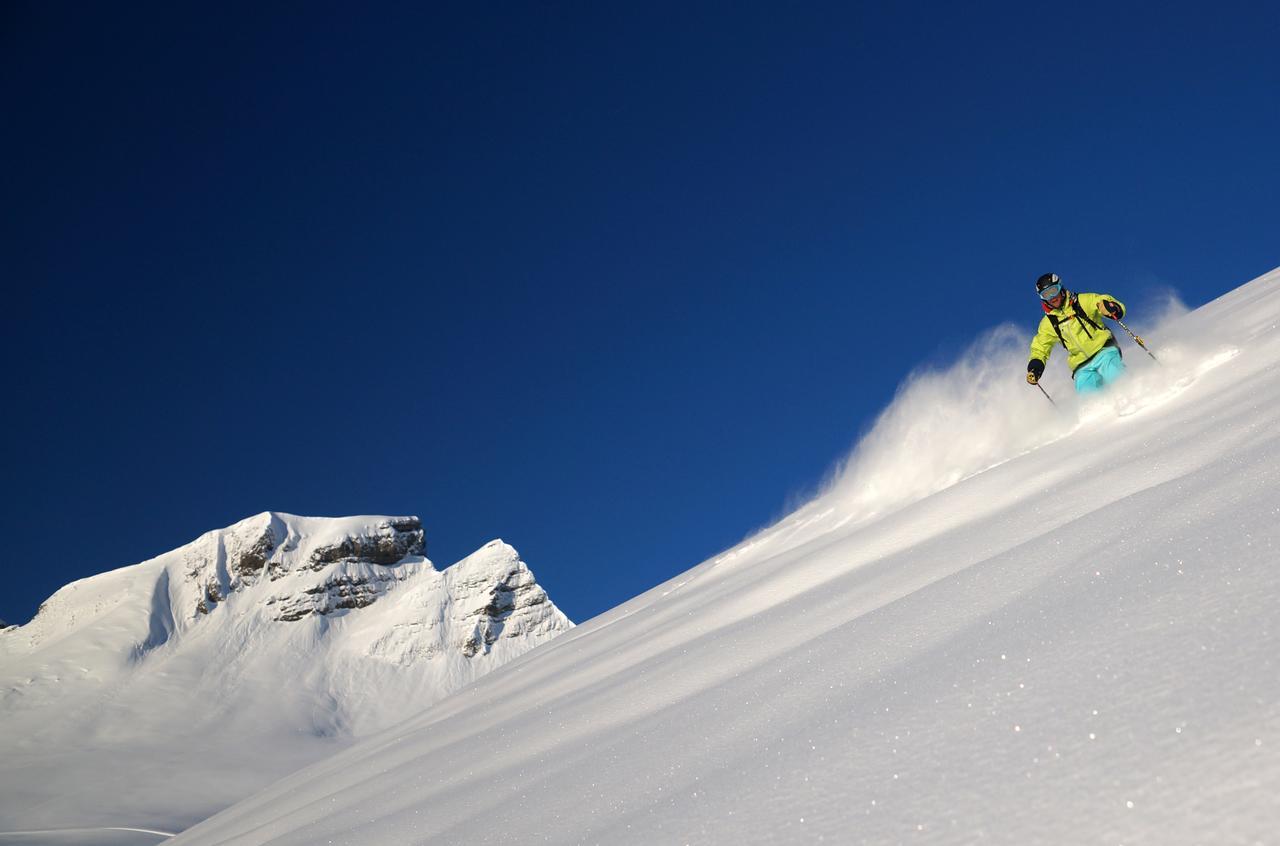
616, 283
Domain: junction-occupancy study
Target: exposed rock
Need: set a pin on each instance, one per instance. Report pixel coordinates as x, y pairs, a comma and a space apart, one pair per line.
338, 593
212, 596
253, 559
394, 540
334, 571
510, 608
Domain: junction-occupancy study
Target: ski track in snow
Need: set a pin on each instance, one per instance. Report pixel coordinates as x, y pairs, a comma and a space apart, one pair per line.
106, 836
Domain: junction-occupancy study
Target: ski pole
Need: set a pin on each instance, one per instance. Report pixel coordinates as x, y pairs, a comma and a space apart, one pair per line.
1046, 394
1139, 340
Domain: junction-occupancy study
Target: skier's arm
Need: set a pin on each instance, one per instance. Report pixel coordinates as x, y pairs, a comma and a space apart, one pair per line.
1042, 344
1041, 347
1105, 305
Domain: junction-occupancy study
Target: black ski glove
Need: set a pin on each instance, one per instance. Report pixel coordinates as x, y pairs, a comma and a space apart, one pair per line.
1112, 308
1035, 369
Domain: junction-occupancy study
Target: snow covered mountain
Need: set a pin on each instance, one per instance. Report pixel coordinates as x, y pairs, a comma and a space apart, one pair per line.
156, 694
1002, 622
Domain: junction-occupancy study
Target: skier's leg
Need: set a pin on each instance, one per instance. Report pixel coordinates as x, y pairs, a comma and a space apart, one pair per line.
1111, 367
1087, 380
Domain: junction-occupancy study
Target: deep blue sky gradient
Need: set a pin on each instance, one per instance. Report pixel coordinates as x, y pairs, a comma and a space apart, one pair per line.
613, 282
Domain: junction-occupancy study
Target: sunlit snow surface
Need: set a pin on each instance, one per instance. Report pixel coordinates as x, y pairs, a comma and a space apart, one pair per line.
1002, 622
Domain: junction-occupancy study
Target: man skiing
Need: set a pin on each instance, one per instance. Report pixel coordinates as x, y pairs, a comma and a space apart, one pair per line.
1075, 321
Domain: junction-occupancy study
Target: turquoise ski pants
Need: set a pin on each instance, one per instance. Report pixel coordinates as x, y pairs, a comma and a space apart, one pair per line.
1099, 371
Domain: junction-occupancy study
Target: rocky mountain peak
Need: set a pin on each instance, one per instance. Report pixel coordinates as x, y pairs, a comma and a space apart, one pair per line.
255, 648
323, 564
497, 596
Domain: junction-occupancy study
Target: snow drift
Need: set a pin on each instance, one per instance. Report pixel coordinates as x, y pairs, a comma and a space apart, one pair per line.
1070, 637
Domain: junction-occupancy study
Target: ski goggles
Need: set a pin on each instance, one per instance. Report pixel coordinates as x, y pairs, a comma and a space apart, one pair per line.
1051, 292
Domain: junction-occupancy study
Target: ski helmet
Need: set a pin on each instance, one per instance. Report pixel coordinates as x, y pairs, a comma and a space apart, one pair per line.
1049, 286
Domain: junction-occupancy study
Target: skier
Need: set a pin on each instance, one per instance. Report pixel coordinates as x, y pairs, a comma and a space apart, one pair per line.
1075, 321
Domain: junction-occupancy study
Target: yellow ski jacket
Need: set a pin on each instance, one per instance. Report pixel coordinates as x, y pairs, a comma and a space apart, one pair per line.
1083, 338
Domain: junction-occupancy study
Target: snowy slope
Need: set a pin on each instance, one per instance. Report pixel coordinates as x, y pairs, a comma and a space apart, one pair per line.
1001, 622
159, 693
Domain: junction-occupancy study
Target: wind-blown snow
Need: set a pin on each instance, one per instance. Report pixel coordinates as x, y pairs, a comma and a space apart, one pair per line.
945, 425
1067, 633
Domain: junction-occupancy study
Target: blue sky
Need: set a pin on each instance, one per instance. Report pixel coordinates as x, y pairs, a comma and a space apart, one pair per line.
615, 284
